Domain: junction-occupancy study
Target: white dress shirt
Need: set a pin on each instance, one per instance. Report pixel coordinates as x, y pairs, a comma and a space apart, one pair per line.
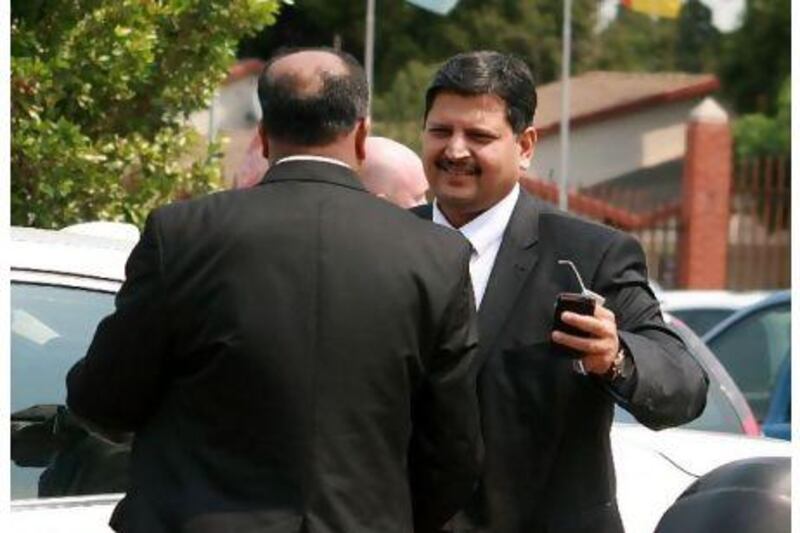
485, 233
310, 157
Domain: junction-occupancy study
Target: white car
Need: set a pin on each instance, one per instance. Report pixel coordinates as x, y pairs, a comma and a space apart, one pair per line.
703, 309
63, 283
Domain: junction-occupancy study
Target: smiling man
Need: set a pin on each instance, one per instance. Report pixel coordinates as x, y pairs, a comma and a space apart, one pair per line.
546, 420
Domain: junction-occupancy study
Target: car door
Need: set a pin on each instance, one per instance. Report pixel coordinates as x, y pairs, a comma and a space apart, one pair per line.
56, 464
752, 350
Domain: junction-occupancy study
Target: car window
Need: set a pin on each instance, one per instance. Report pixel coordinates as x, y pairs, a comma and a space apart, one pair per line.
51, 328
702, 320
752, 351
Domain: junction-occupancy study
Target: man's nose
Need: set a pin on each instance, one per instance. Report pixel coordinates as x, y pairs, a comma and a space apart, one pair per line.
456, 147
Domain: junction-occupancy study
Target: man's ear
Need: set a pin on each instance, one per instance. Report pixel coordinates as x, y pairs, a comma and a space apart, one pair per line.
362, 132
527, 144
262, 133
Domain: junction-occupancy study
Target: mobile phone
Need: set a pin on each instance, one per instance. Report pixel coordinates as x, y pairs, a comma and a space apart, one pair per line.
576, 303
581, 303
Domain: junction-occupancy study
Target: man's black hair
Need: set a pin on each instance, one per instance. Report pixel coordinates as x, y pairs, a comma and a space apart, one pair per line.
489, 72
292, 115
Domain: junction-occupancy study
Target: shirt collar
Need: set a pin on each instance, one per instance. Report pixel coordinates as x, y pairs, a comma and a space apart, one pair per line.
320, 158
486, 228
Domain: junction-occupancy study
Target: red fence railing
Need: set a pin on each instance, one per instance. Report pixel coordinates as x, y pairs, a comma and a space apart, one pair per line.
759, 235
759, 240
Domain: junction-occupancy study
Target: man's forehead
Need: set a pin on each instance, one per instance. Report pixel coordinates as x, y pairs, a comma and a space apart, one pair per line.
458, 105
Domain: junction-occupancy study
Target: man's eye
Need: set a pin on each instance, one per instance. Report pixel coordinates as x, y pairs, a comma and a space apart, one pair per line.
482, 137
438, 132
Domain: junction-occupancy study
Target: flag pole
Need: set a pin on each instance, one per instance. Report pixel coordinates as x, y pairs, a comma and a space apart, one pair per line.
369, 45
566, 52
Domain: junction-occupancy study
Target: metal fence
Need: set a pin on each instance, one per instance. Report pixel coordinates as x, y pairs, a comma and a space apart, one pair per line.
759, 233
759, 239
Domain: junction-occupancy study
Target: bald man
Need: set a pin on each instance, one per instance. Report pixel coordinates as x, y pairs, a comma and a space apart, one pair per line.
298, 356
390, 170
394, 172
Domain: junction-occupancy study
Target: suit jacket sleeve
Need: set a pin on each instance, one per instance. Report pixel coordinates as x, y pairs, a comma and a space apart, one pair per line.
670, 385
117, 385
446, 447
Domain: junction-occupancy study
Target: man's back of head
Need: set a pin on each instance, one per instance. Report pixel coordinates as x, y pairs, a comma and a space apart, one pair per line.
313, 101
394, 171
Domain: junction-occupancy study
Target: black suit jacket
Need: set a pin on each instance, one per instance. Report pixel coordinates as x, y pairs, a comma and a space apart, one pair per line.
296, 357
548, 464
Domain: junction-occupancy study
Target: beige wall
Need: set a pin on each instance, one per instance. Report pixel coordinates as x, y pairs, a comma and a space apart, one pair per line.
236, 107
603, 150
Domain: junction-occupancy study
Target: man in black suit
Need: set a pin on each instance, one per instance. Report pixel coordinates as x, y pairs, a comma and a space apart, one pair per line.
295, 357
545, 417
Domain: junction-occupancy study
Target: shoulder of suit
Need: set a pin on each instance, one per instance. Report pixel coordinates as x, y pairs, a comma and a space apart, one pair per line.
210, 199
424, 215
568, 223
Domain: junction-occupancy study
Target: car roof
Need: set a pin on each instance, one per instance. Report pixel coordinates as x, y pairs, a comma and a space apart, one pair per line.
67, 252
776, 298
708, 299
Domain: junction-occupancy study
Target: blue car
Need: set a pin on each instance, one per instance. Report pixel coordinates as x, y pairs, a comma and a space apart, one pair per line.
754, 345
778, 423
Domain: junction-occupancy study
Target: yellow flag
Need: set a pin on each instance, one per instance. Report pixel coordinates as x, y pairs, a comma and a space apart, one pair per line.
657, 8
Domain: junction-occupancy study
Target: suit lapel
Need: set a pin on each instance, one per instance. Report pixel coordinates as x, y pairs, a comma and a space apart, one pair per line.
515, 261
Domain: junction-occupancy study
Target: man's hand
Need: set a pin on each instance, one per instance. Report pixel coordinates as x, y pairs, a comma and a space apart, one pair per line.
602, 345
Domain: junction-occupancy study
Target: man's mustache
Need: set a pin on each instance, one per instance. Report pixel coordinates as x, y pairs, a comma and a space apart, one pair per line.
462, 167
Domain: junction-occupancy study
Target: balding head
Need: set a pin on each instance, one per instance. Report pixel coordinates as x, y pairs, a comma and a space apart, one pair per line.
394, 171
312, 97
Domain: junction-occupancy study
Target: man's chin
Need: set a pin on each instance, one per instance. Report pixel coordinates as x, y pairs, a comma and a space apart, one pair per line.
458, 205
456, 199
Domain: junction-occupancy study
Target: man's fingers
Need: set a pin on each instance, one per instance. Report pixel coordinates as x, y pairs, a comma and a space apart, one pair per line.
604, 313
581, 344
601, 345
597, 327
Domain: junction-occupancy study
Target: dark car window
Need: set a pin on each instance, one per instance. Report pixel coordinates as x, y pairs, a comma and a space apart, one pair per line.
51, 327
752, 351
702, 320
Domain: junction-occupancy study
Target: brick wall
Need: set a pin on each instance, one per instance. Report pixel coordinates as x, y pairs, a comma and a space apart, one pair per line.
705, 208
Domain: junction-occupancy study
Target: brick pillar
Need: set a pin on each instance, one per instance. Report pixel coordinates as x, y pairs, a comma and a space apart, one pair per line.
706, 199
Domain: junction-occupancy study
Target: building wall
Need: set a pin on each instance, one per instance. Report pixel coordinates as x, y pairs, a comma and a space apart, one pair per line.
236, 107
616, 146
235, 121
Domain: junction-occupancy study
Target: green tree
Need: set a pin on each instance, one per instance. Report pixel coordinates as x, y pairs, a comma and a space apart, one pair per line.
757, 134
756, 58
636, 42
100, 92
398, 111
697, 42
403, 32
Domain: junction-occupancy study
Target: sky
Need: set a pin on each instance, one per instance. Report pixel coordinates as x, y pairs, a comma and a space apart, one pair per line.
726, 14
